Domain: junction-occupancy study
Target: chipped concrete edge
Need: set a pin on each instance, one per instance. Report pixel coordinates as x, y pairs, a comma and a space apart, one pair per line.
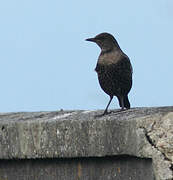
154, 133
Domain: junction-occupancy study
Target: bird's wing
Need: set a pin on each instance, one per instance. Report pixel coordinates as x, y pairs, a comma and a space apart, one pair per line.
125, 64
123, 73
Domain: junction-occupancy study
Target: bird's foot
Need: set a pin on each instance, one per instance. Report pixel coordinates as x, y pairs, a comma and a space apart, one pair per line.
118, 111
104, 113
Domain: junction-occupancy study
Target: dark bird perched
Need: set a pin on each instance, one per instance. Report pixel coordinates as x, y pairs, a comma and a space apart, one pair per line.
114, 70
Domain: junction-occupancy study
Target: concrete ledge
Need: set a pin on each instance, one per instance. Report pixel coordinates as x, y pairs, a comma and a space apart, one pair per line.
140, 132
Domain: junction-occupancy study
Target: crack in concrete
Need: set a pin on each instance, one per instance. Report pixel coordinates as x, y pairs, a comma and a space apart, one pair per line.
150, 141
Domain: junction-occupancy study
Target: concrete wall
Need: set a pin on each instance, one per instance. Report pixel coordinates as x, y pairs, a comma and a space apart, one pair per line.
135, 144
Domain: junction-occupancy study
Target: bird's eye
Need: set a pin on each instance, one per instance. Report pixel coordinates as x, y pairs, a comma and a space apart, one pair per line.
100, 38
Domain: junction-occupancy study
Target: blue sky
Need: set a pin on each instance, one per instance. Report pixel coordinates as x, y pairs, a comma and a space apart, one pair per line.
46, 64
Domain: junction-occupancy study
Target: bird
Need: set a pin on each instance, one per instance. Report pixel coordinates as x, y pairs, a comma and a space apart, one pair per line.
114, 70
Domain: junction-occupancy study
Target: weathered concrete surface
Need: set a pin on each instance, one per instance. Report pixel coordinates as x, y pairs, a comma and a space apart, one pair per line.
140, 132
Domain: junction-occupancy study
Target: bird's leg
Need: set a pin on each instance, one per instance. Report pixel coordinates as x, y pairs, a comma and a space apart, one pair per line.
122, 103
106, 110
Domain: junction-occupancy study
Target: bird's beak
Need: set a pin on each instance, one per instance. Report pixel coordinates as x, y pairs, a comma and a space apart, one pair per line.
91, 39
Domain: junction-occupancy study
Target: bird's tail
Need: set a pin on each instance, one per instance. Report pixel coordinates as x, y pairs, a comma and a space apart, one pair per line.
125, 101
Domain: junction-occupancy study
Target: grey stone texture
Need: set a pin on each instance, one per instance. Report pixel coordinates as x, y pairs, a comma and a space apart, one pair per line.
140, 132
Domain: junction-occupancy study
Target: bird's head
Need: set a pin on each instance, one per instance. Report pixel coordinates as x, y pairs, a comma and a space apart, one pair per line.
105, 41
